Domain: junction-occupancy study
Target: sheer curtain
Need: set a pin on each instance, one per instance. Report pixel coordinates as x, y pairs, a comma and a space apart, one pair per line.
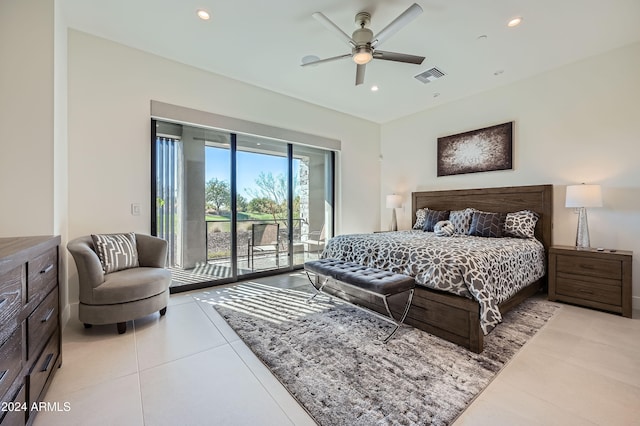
169, 195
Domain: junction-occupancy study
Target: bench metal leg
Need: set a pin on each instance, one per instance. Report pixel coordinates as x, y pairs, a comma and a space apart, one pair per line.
317, 286
404, 314
317, 289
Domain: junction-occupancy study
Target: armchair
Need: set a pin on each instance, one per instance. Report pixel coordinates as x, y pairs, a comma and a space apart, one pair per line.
117, 297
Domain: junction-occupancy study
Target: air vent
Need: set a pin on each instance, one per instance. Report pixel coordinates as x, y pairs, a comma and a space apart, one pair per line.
430, 75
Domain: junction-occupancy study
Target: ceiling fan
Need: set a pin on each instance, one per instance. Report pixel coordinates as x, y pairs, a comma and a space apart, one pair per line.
364, 44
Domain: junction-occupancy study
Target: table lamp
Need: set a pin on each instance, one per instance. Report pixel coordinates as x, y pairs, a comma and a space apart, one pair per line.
580, 197
394, 202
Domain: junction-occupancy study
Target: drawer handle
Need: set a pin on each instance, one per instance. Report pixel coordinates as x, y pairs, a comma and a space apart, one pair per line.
47, 269
582, 290
45, 364
47, 317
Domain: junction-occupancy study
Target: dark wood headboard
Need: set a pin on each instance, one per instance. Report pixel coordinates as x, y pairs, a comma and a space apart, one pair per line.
538, 198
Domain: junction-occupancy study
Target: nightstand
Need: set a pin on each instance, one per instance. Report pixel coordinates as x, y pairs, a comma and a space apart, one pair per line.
591, 278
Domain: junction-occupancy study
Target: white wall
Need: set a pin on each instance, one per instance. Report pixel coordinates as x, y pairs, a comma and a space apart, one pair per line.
26, 117
579, 123
110, 88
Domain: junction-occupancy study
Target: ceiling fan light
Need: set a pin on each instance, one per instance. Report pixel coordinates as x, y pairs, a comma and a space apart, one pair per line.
362, 56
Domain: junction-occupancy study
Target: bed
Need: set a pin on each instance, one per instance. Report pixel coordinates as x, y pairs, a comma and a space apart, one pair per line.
462, 314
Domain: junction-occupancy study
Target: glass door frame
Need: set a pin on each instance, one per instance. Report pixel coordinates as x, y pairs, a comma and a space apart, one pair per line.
234, 276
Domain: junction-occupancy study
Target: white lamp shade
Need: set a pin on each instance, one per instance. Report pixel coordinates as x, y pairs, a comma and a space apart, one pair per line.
394, 201
584, 196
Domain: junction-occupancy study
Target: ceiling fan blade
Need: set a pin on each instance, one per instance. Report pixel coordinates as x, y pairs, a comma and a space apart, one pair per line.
319, 16
360, 74
321, 61
397, 57
405, 17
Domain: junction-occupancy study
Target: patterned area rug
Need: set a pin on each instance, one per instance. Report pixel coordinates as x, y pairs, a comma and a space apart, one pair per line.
331, 358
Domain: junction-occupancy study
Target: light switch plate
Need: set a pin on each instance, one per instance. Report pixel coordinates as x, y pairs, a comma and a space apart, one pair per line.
135, 209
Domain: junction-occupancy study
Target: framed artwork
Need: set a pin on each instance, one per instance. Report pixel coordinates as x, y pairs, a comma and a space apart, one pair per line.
479, 150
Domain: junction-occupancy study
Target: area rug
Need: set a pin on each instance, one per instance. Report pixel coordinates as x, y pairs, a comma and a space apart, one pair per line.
330, 357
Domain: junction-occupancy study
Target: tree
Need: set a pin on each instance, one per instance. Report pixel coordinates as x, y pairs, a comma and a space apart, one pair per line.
241, 203
218, 193
261, 205
275, 189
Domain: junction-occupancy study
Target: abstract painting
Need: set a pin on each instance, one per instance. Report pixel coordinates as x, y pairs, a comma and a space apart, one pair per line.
479, 150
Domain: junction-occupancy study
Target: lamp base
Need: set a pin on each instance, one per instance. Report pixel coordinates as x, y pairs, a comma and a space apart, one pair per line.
582, 234
393, 226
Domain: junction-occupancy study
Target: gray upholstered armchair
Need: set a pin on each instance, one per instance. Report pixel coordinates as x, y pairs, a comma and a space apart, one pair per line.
117, 297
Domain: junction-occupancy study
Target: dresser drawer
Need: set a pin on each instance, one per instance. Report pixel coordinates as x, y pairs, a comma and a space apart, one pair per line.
16, 410
578, 265
596, 292
10, 301
41, 323
43, 367
43, 274
10, 360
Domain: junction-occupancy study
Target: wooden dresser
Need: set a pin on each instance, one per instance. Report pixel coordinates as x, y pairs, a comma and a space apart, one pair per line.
30, 350
591, 278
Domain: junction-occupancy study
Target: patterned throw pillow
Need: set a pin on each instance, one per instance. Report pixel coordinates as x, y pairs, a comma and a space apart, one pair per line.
420, 218
432, 217
444, 228
485, 224
116, 251
521, 224
461, 220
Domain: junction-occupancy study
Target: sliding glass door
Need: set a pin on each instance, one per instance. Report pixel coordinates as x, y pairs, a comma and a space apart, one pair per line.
262, 182
233, 206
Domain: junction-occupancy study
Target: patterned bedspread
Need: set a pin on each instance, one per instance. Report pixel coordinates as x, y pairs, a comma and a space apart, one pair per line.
489, 270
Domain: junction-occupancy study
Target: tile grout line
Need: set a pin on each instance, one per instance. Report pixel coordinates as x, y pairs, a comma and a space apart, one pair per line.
135, 345
262, 384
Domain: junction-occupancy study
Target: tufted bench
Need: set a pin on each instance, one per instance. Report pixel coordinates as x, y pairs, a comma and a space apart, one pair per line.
371, 280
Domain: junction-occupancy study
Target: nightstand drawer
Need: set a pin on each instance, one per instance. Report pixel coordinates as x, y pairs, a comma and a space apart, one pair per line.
596, 292
589, 266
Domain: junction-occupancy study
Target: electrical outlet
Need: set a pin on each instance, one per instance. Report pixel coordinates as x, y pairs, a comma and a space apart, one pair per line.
135, 209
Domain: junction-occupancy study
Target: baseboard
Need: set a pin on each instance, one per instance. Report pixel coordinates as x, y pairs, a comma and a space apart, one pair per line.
635, 302
66, 314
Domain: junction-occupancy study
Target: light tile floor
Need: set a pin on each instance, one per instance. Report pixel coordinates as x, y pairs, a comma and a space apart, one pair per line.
190, 368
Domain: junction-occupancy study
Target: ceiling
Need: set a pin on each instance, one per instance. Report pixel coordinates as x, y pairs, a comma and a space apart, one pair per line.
263, 44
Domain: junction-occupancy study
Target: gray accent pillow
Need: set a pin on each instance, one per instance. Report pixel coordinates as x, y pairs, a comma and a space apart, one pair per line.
461, 220
432, 217
485, 224
521, 224
420, 218
116, 251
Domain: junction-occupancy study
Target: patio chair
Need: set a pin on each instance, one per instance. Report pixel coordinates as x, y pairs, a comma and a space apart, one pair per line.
315, 240
264, 239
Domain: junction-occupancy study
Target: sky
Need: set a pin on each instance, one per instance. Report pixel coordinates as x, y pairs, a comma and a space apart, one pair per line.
249, 166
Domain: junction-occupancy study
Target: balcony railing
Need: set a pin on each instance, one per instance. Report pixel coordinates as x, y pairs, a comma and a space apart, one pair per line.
218, 237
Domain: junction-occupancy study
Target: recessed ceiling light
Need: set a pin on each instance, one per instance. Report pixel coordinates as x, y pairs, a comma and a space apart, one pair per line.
435, 95
203, 14
515, 22
498, 72
374, 88
482, 37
